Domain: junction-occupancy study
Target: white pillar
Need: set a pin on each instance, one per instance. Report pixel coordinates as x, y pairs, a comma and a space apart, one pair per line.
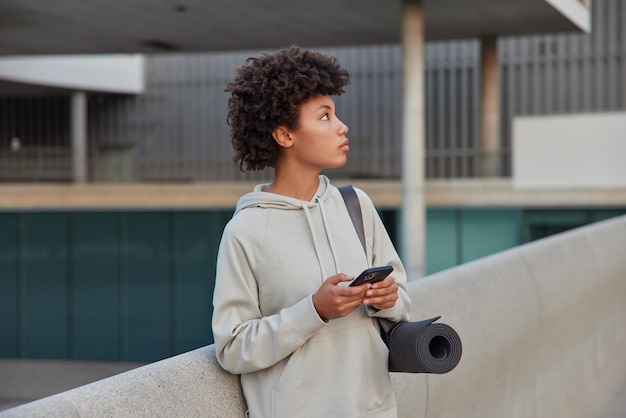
78, 125
413, 140
490, 164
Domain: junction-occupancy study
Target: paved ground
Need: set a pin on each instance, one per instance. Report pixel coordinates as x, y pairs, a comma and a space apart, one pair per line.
23, 381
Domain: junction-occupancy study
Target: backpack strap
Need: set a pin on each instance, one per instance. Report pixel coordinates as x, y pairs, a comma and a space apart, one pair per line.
354, 209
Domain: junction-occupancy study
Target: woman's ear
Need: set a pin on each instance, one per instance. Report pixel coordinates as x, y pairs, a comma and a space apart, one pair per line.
282, 137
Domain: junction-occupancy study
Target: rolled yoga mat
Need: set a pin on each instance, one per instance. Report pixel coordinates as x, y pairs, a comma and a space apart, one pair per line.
423, 347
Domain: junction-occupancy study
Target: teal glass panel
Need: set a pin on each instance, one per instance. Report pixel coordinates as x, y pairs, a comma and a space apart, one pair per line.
441, 239
95, 295
45, 284
541, 223
9, 295
602, 214
390, 218
197, 239
488, 231
146, 296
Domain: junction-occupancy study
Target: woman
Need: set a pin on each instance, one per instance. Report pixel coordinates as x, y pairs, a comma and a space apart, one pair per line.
284, 318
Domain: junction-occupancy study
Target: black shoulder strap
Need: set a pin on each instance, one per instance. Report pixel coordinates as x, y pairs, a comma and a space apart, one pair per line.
354, 209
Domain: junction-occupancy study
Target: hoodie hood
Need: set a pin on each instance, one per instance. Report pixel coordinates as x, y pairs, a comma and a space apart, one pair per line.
261, 199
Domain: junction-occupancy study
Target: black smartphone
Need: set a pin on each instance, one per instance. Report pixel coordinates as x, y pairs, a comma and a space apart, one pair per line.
372, 275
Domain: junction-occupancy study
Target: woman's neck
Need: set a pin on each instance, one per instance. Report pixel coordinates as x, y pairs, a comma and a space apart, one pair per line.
300, 186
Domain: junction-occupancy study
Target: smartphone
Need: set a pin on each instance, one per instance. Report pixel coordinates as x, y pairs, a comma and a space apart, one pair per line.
372, 275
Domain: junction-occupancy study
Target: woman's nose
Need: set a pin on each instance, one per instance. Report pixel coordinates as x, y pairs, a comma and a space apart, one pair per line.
343, 128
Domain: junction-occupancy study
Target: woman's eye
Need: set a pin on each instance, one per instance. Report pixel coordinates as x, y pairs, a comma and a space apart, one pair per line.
325, 117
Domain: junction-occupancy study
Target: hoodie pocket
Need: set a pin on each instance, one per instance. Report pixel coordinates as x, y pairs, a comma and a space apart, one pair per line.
340, 374
375, 332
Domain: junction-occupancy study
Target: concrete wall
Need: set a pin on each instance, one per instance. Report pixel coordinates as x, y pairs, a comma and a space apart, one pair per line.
542, 327
569, 151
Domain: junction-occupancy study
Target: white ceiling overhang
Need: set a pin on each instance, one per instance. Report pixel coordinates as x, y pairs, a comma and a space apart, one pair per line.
35, 27
114, 26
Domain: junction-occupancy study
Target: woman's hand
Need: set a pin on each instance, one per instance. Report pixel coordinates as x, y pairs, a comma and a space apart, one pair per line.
382, 295
332, 301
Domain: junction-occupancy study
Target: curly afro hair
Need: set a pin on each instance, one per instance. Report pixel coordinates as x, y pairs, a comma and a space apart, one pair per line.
267, 92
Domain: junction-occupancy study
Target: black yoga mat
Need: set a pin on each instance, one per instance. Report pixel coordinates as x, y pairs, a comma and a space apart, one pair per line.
423, 347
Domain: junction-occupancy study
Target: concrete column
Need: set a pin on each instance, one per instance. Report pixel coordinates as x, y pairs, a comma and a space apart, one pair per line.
78, 125
413, 140
489, 159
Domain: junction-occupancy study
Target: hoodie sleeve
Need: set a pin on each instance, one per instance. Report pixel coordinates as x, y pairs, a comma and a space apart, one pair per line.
382, 252
245, 339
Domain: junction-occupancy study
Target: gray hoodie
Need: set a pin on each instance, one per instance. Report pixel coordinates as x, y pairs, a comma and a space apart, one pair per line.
275, 253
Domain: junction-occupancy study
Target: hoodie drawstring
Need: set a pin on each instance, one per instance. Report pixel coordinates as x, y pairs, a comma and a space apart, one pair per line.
328, 235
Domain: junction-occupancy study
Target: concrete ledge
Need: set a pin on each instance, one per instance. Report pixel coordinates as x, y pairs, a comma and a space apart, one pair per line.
542, 327
26, 380
188, 385
542, 330
224, 195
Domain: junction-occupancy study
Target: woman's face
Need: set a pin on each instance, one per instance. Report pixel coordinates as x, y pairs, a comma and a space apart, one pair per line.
320, 141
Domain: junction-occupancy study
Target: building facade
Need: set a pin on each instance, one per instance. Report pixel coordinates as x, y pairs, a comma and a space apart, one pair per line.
134, 283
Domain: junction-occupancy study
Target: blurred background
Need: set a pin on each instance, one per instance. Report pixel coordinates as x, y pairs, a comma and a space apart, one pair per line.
117, 176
